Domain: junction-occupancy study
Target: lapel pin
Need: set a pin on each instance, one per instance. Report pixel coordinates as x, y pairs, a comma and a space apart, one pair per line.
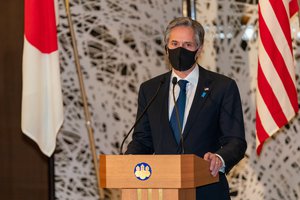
206, 89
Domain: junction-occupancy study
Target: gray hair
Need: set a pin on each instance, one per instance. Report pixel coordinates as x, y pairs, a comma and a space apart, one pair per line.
186, 21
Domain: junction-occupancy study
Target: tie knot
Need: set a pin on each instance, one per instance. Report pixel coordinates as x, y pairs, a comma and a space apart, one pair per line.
182, 84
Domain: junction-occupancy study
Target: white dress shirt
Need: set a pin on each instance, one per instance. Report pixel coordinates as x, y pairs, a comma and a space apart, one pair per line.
191, 86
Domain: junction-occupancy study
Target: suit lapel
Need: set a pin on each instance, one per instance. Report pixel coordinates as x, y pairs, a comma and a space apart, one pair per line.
204, 83
164, 114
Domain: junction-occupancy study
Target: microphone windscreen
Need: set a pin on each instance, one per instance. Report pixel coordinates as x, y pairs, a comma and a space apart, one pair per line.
174, 81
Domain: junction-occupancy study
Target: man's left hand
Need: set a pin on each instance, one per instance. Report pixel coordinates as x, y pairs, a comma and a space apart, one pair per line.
215, 163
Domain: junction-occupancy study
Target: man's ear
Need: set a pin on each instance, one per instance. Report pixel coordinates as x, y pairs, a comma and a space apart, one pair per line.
198, 52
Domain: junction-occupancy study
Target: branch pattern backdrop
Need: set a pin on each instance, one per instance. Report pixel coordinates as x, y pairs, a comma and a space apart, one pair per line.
231, 49
120, 45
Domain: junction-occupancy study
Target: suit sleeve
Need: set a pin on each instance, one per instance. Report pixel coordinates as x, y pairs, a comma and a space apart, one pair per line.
141, 139
232, 140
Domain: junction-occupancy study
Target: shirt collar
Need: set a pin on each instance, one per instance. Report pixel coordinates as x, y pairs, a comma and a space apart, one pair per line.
192, 78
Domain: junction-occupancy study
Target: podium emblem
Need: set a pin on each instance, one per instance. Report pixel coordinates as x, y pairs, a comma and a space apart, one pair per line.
142, 171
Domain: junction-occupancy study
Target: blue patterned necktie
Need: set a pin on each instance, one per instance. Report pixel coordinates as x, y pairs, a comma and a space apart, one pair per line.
181, 107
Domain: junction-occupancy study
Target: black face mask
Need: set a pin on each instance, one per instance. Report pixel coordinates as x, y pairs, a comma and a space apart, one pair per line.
182, 59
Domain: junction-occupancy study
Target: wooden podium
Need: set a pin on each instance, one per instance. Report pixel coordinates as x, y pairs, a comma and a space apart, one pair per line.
155, 177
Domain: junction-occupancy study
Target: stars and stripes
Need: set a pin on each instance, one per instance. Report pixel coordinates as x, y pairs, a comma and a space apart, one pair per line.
276, 96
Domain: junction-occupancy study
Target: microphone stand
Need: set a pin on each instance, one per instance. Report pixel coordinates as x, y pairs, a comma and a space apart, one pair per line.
140, 117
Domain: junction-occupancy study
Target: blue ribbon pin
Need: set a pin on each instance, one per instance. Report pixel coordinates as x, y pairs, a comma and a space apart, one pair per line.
204, 92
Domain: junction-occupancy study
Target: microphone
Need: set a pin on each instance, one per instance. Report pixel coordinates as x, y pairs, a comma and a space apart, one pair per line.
174, 82
143, 113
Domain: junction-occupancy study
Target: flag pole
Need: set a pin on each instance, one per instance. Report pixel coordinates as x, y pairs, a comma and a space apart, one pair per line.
189, 8
84, 100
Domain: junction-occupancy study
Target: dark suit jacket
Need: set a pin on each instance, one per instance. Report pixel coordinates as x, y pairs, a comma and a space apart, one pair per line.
214, 124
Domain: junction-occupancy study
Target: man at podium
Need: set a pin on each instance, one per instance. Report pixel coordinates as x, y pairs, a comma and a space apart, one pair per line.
191, 110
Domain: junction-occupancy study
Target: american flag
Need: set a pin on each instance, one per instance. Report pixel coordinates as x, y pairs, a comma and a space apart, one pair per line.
276, 96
